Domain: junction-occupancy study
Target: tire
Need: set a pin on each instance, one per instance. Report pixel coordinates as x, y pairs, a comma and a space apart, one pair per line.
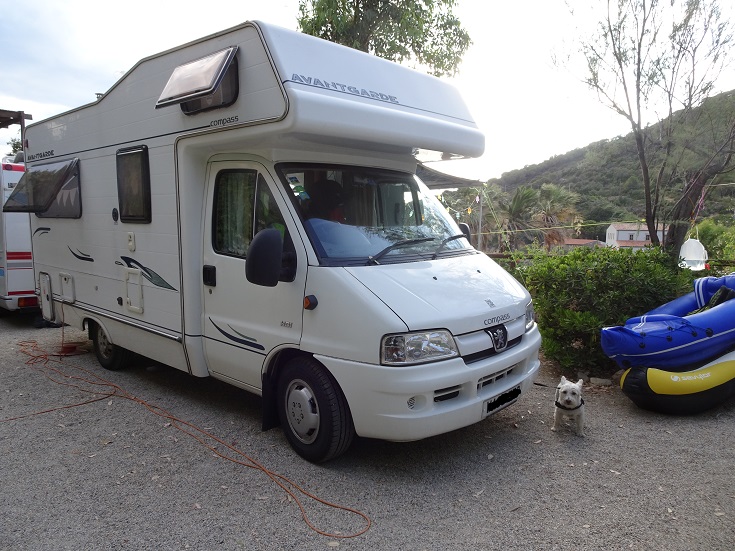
313, 411
110, 356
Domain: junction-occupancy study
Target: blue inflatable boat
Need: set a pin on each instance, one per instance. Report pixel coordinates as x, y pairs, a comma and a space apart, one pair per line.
679, 335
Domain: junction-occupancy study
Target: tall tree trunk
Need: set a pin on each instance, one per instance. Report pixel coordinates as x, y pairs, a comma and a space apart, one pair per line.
684, 212
646, 176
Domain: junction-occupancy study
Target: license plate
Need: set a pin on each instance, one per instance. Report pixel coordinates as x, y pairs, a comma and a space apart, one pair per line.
499, 402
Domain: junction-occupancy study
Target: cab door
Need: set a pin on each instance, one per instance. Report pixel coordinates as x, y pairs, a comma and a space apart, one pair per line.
244, 322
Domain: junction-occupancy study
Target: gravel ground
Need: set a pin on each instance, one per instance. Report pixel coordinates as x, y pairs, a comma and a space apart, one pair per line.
112, 474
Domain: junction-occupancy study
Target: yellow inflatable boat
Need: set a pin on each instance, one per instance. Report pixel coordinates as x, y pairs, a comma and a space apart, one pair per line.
681, 393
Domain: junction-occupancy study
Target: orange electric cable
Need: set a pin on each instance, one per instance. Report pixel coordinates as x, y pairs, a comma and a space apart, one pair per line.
39, 357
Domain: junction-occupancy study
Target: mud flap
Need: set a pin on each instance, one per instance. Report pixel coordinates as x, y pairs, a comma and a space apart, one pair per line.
270, 411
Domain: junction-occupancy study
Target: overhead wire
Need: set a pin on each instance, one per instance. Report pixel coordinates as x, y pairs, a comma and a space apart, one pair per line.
496, 218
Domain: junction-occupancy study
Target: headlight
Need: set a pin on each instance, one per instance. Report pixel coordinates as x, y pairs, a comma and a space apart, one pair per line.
416, 348
530, 316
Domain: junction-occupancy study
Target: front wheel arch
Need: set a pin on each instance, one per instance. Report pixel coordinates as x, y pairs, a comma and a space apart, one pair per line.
109, 355
313, 411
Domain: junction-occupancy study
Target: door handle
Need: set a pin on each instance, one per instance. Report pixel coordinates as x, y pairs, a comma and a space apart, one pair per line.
209, 275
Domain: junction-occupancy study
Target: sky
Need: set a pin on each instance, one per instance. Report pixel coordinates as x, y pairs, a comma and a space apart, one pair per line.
56, 55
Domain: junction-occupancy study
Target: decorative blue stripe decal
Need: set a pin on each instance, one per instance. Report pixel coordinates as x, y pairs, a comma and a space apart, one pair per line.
244, 340
147, 273
80, 255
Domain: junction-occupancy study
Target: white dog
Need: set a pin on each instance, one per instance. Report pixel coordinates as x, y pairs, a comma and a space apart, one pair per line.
569, 403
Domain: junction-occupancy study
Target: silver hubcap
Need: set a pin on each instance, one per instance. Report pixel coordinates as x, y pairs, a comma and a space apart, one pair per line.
302, 411
104, 345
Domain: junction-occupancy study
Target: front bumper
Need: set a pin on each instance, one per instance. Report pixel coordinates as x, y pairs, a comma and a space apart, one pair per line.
415, 402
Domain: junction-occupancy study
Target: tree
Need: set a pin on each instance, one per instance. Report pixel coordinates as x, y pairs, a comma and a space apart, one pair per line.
463, 205
555, 208
718, 239
517, 215
15, 145
660, 59
492, 196
423, 31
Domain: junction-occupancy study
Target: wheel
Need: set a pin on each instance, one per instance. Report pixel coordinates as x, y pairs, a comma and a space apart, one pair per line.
313, 411
110, 356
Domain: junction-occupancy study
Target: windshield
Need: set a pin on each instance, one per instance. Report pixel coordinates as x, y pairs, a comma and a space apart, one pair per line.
358, 215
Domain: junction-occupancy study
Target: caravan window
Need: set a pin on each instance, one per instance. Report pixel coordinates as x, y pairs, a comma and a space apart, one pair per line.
134, 185
243, 205
50, 190
203, 84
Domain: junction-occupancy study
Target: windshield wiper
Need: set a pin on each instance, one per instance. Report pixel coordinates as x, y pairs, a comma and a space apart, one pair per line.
445, 241
405, 243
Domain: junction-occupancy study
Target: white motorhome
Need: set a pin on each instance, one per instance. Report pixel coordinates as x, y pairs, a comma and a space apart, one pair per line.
17, 289
245, 207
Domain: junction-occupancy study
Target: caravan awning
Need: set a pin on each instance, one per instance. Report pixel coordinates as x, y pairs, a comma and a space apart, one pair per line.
440, 180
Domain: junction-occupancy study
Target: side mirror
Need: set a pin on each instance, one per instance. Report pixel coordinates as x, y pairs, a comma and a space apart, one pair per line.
263, 261
465, 230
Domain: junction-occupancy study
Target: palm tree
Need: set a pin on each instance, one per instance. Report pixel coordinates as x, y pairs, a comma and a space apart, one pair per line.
492, 195
555, 209
517, 216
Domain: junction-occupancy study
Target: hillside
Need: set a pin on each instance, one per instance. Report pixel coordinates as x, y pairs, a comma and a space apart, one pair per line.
606, 174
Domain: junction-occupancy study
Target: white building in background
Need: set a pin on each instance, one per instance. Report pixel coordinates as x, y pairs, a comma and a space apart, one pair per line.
627, 235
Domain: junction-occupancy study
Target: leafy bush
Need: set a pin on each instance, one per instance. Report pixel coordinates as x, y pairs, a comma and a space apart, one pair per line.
718, 239
578, 293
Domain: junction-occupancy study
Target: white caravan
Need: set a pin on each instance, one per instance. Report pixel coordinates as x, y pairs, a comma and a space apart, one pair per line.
245, 207
17, 289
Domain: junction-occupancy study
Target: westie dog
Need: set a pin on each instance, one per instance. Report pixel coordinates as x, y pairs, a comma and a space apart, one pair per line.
568, 403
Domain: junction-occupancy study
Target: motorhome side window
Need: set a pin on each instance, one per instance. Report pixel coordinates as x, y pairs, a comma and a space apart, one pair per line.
207, 83
134, 185
243, 205
51, 190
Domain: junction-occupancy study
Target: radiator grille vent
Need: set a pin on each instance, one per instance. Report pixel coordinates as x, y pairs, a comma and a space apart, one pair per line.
446, 393
495, 377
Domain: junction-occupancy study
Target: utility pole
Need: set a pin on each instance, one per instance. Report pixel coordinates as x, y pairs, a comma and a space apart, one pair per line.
479, 224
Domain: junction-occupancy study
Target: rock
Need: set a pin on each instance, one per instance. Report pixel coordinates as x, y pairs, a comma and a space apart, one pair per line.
617, 376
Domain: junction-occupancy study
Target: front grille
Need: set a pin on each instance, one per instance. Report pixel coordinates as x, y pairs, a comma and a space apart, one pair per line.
495, 377
489, 352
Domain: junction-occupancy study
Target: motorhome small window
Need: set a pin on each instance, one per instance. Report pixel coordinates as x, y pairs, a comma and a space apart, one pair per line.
243, 205
223, 96
212, 81
49, 189
134, 185
68, 201
234, 200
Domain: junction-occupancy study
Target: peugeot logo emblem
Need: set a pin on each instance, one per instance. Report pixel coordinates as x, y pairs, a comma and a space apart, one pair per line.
499, 335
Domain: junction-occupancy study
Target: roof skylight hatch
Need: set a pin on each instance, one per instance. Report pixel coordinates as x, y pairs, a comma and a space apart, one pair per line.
205, 83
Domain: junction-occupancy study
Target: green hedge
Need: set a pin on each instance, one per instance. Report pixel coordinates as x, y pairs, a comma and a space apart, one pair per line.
578, 293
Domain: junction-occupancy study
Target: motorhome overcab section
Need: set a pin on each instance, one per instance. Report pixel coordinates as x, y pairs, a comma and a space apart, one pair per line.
291, 250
